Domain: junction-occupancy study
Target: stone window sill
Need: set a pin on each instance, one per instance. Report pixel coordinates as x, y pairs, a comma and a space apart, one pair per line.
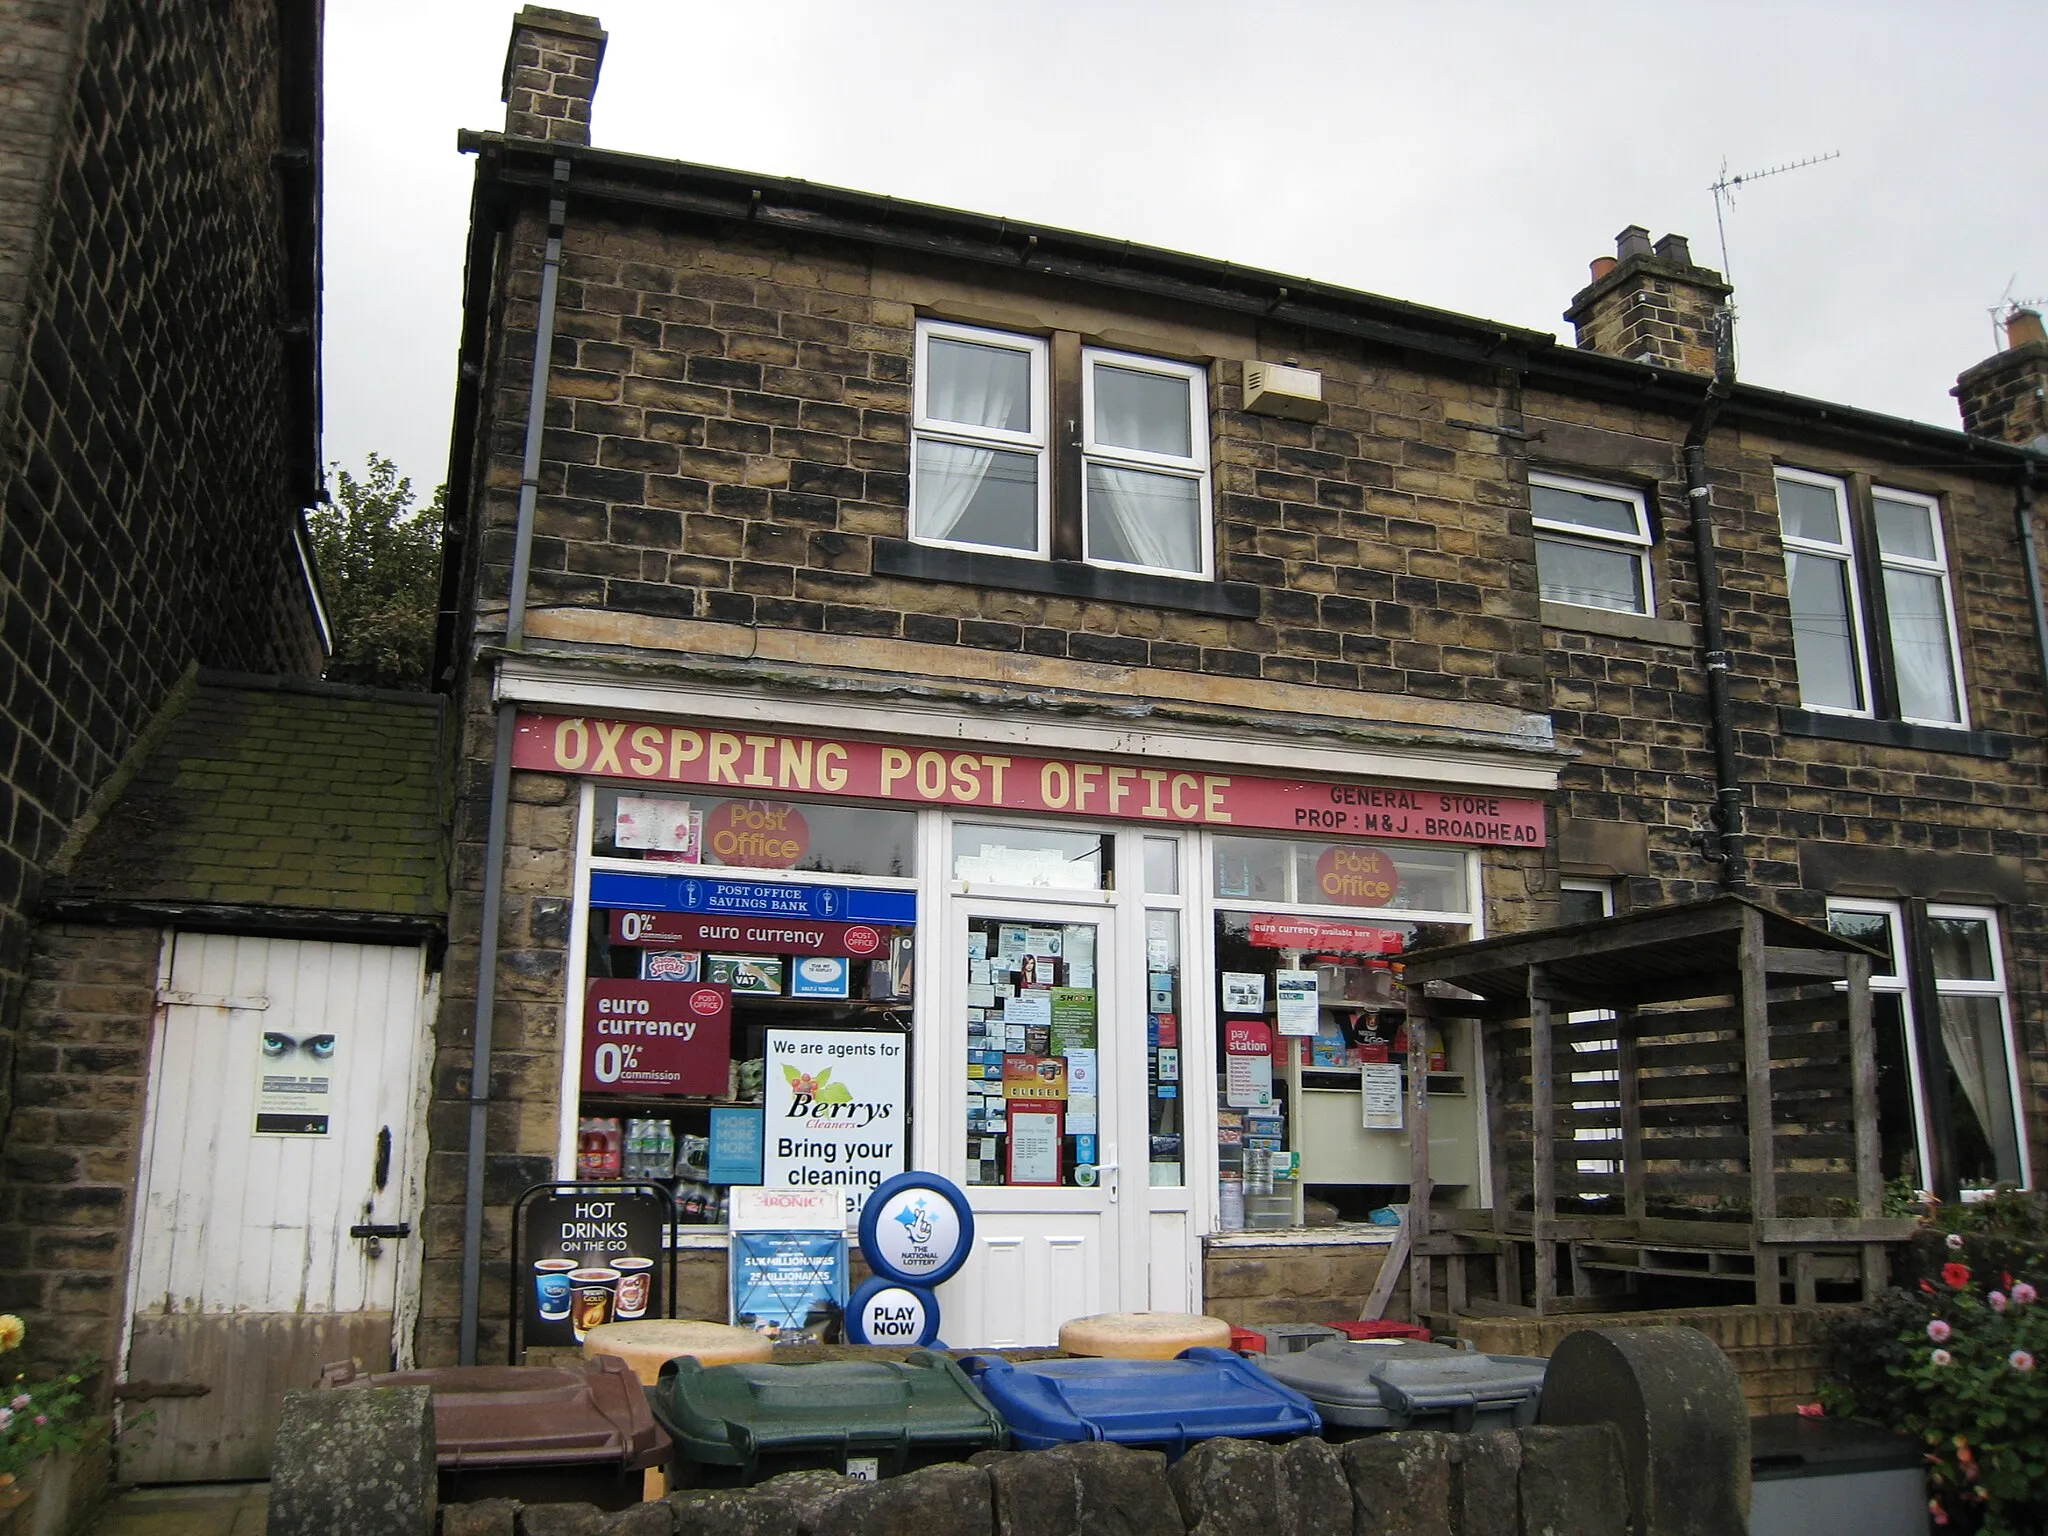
1619, 626
1892, 733
1064, 578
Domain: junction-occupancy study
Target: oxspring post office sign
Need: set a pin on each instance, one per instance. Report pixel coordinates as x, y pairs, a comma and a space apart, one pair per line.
644, 752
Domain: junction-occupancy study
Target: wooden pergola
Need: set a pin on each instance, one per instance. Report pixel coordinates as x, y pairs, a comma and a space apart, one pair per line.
1721, 1057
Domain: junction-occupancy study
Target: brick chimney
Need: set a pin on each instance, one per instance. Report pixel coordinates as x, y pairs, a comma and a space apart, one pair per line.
1650, 304
2006, 395
551, 75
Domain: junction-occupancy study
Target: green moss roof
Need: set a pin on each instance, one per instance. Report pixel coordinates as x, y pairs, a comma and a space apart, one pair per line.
277, 792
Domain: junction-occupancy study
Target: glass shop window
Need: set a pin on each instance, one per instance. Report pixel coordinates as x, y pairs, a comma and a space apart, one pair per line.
818, 837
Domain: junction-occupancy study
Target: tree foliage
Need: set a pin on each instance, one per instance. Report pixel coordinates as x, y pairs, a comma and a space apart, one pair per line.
380, 570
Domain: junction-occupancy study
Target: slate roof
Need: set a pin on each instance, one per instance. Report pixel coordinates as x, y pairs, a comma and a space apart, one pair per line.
280, 793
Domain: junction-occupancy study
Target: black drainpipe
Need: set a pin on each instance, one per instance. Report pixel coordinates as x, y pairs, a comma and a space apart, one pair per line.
501, 784
1699, 497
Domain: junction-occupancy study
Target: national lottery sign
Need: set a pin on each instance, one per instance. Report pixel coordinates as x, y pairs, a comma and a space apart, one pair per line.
742, 761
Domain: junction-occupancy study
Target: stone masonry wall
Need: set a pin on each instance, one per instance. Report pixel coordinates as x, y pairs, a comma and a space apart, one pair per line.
1249, 1286
38, 51
145, 458
67, 1181
1940, 825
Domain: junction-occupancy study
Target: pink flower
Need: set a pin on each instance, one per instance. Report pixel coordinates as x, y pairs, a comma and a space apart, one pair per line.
1940, 1515
1811, 1411
43, 1419
1955, 1242
2020, 1360
1943, 1357
2023, 1293
1939, 1331
21, 1402
1997, 1300
6, 1417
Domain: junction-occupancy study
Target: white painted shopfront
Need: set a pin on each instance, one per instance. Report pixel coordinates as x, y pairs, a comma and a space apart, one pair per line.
1044, 912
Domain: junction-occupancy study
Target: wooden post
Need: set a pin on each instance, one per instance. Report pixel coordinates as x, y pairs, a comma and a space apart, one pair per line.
1863, 1090
1635, 1204
1756, 1061
1419, 1266
1543, 1136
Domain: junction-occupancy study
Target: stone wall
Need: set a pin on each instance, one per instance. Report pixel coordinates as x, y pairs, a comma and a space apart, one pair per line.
1249, 1286
1778, 1352
149, 469
68, 1170
1528, 1482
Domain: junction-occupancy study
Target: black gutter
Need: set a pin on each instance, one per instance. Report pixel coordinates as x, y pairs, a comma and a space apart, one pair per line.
799, 207
1699, 495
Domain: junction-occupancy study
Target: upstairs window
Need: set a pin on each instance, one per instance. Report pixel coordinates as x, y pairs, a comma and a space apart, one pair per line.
1873, 618
979, 476
1145, 450
1592, 545
988, 475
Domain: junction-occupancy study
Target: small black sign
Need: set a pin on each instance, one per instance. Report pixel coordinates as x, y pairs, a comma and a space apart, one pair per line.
590, 1254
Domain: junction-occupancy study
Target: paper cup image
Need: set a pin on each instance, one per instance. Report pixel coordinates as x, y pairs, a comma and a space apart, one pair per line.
551, 1285
636, 1280
592, 1295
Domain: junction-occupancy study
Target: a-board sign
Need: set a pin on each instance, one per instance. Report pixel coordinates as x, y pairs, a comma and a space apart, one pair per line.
788, 1263
589, 1255
884, 1312
917, 1229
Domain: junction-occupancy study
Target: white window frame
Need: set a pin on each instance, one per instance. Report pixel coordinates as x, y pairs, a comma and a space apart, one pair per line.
1937, 568
1194, 467
1844, 554
1637, 543
1994, 987
1895, 983
1035, 442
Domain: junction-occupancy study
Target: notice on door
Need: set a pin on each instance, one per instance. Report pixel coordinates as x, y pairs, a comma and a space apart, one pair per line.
295, 1084
834, 1112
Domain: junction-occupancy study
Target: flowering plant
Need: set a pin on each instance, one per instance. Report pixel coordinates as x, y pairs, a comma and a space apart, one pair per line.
1952, 1361
37, 1417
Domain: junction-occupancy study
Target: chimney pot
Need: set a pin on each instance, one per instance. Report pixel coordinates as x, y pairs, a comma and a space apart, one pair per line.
1633, 241
2023, 326
1602, 265
1676, 250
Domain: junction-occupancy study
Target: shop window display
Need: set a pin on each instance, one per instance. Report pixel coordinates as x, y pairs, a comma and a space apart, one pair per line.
1032, 1033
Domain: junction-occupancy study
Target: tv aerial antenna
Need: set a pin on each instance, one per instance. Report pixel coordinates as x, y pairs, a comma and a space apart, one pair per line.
2005, 308
1725, 189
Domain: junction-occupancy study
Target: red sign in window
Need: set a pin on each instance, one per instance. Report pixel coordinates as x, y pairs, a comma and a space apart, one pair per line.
656, 1037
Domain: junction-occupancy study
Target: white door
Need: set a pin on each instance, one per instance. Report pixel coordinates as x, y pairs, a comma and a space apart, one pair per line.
1033, 991
283, 1110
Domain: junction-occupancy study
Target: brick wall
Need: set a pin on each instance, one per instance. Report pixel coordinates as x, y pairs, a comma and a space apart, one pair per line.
67, 1180
146, 456
1249, 1285
38, 42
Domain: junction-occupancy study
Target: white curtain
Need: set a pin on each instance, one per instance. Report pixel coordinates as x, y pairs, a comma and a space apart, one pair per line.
1149, 513
1972, 1034
978, 386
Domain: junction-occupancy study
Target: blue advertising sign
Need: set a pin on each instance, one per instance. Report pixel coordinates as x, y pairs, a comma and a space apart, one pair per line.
735, 1155
789, 1285
751, 898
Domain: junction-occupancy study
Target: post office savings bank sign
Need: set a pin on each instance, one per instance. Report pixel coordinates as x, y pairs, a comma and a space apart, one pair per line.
835, 1111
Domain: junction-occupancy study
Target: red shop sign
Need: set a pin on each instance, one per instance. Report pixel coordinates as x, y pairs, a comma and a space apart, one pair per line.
1350, 876
1247, 1037
768, 763
746, 935
1326, 935
757, 834
656, 1037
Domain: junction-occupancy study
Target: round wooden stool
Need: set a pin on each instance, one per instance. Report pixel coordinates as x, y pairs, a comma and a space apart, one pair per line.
648, 1344
1142, 1335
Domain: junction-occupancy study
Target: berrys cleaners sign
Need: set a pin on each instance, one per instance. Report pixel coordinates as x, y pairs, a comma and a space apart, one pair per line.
834, 1112
656, 1037
673, 754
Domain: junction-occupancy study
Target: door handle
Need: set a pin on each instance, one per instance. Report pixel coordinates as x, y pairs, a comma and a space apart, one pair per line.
1108, 1172
381, 1229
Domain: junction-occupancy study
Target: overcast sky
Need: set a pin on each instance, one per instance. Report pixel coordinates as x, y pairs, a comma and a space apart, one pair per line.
1470, 156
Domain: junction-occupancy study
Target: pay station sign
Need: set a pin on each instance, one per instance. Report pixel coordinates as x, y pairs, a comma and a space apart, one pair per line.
656, 1037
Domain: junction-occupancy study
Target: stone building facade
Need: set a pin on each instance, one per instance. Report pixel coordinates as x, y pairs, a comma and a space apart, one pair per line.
1443, 574
159, 424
